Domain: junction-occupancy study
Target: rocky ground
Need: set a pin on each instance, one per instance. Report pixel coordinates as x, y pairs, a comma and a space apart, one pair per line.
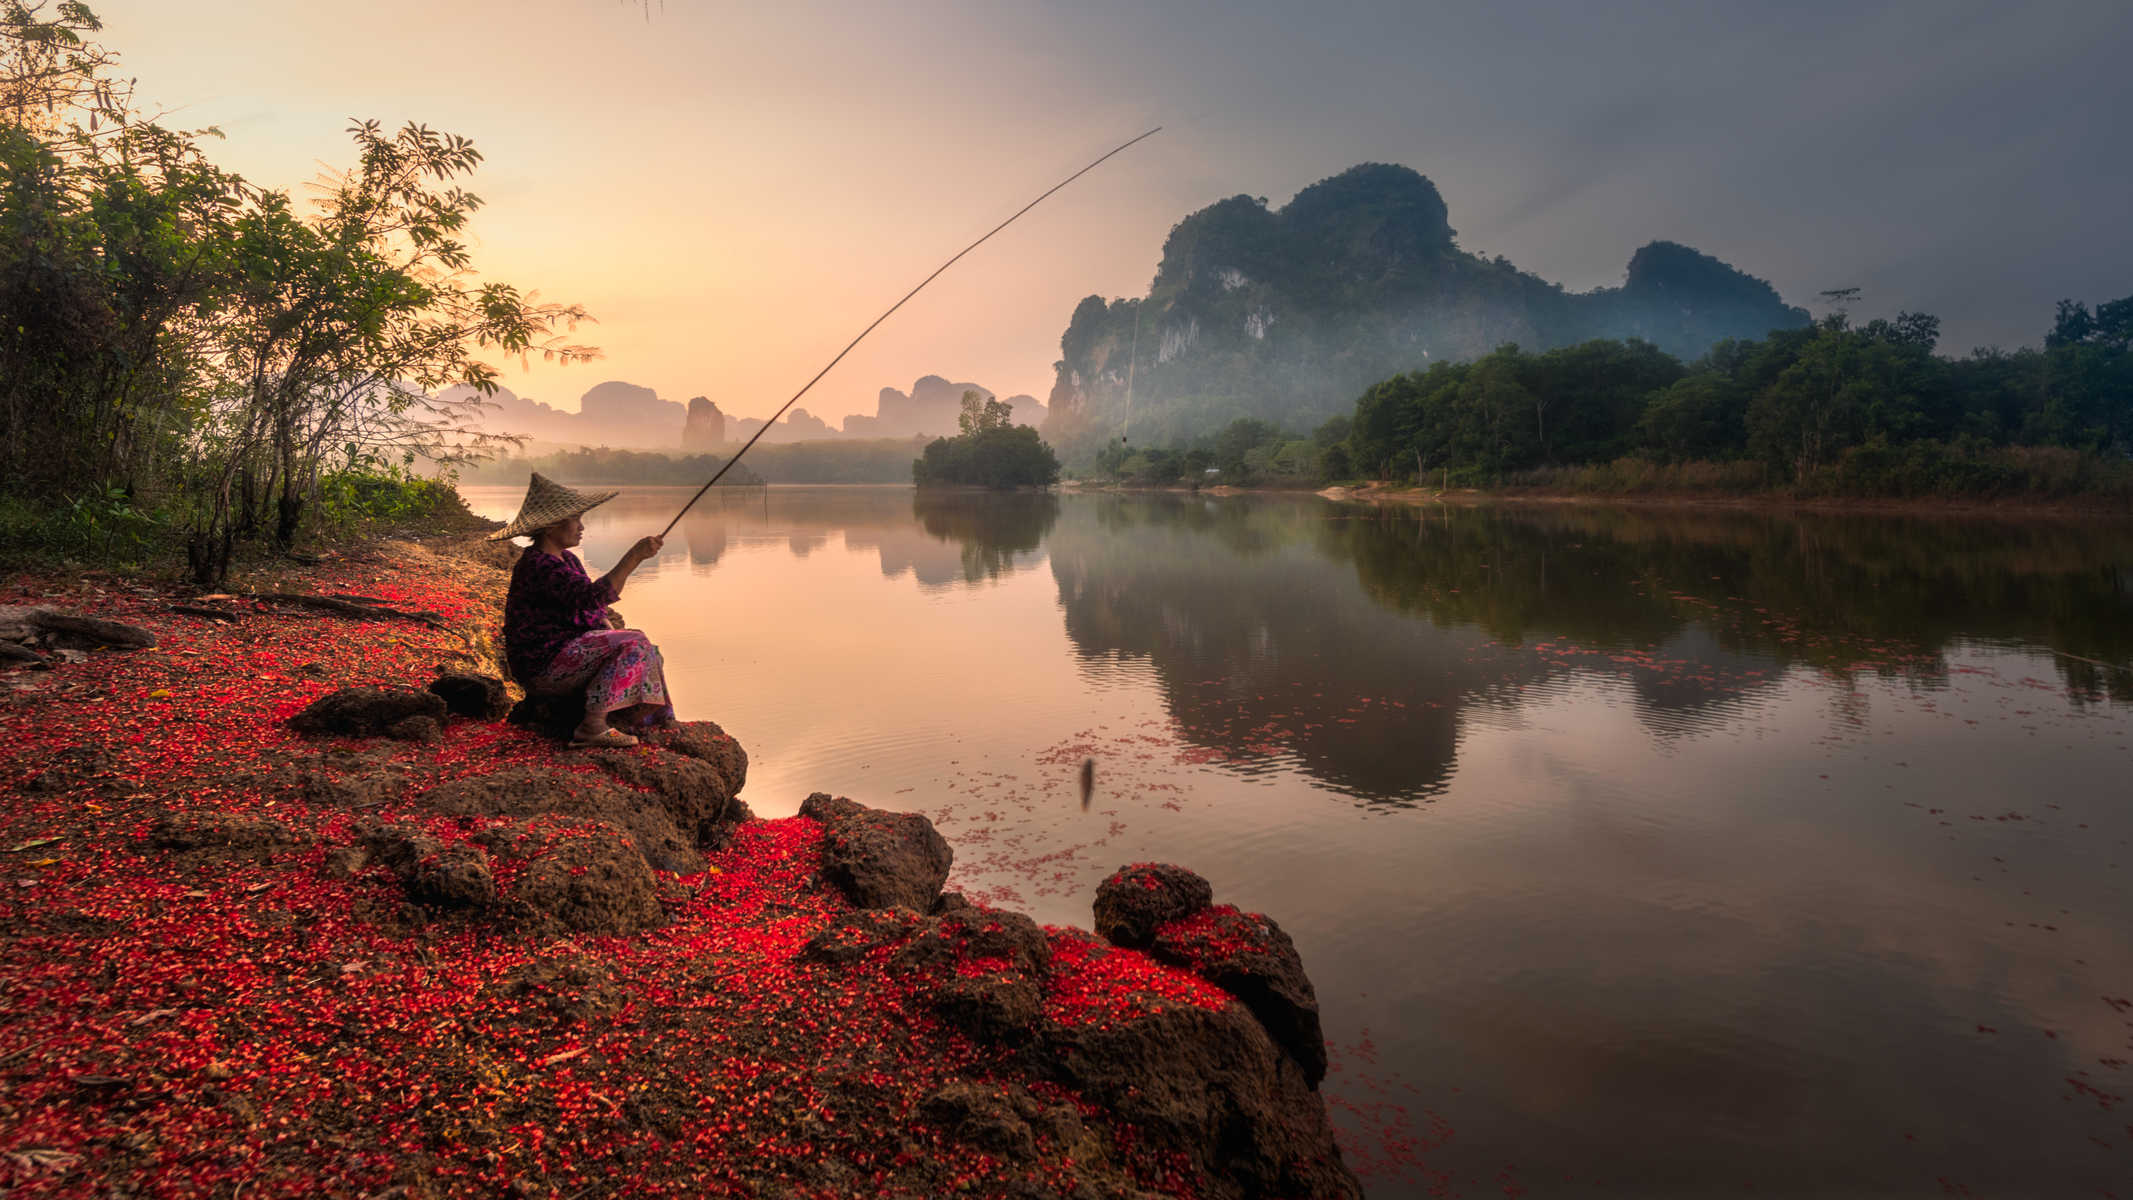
285, 908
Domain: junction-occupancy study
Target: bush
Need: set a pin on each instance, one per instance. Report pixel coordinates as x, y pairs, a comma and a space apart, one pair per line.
1639, 476
1008, 457
101, 525
352, 499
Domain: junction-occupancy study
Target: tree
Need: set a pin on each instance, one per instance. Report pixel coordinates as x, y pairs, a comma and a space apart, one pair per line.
1004, 456
167, 327
982, 414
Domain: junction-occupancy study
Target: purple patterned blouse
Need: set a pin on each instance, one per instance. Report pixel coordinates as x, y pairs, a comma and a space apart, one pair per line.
551, 601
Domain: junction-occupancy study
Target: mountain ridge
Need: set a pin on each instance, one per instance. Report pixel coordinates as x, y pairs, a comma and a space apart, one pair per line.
1288, 314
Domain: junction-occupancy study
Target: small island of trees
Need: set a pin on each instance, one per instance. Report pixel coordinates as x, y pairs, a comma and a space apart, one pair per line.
991, 452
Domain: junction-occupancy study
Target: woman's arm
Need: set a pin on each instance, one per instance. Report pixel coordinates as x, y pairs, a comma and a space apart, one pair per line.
644, 549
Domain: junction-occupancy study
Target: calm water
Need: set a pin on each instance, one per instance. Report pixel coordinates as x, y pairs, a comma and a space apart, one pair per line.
1632, 852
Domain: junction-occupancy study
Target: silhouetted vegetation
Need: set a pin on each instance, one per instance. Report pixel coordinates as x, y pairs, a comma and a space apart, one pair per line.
839, 460
184, 352
993, 533
613, 468
1247, 452
1833, 409
1284, 315
1245, 606
989, 452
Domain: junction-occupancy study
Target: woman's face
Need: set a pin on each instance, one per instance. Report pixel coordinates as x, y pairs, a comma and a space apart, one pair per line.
564, 534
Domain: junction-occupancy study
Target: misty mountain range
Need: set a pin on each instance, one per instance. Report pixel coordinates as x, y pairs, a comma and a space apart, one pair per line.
1283, 314
1289, 314
627, 416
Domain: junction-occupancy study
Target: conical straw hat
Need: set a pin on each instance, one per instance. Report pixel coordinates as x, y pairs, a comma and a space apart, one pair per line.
546, 503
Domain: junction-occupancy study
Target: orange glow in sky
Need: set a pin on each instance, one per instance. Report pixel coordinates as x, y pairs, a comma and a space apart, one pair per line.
734, 190
733, 194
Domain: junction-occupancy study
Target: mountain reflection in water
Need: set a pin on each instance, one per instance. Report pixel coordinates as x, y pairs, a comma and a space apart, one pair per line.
1259, 640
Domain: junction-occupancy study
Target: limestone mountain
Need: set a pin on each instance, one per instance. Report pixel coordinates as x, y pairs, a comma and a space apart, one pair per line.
705, 428
1288, 314
615, 413
931, 408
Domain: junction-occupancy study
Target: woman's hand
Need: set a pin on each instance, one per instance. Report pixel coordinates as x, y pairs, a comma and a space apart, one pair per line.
645, 549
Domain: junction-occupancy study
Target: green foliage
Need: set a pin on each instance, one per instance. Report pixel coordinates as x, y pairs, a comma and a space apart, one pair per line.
352, 499
1246, 452
101, 525
983, 414
170, 330
1003, 456
1832, 409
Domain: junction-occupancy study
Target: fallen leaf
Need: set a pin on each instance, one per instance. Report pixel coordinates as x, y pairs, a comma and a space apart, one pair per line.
40, 1158
32, 844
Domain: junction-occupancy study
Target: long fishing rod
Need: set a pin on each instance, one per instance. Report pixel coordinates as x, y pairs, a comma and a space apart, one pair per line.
885, 316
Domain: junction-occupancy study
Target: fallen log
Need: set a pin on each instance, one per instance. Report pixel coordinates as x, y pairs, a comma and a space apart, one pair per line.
202, 610
347, 608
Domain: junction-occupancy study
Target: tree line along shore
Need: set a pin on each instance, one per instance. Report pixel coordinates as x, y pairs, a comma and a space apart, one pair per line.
1835, 410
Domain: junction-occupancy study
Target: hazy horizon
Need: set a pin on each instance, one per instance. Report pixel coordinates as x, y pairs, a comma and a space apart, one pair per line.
734, 194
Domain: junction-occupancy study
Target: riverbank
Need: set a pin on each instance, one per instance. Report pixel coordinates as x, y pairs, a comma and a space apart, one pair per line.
1778, 502
459, 960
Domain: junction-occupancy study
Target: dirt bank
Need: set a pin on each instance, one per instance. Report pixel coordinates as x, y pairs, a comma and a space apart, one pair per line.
1774, 502
452, 958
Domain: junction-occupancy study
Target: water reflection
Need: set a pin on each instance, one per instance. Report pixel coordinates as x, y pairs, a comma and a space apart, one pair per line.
1260, 647
1767, 850
939, 539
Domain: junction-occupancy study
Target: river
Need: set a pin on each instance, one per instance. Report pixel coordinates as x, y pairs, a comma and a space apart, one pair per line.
1631, 851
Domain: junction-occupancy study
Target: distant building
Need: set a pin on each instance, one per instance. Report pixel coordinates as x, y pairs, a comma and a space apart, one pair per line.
705, 428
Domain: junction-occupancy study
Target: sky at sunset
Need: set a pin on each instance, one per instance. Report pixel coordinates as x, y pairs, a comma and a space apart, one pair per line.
735, 190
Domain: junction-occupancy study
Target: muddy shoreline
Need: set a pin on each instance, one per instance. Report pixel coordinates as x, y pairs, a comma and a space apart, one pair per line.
417, 950
2013, 507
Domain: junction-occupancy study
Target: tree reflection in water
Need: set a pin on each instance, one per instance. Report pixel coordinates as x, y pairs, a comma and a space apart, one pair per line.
1357, 640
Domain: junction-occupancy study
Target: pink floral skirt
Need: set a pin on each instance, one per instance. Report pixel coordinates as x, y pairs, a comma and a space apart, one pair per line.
618, 668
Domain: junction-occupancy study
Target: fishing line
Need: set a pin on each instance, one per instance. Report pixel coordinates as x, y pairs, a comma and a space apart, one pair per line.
885, 316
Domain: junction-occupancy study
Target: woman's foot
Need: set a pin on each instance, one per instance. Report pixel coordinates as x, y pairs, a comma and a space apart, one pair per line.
588, 734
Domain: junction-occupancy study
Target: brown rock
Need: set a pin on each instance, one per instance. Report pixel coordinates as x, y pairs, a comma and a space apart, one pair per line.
366, 711
208, 830
705, 742
534, 790
468, 694
1248, 956
993, 1007
416, 728
590, 880
453, 877
1140, 896
880, 859
858, 933
693, 792
984, 1115
1210, 1085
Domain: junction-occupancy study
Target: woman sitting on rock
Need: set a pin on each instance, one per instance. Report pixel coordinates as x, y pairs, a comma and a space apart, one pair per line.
559, 637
